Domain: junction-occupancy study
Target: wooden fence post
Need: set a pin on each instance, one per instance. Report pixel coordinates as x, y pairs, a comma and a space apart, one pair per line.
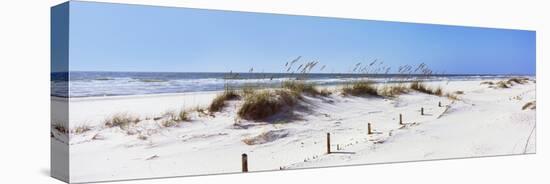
328, 143
400, 119
439, 104
244, 159
422, 111
369, 130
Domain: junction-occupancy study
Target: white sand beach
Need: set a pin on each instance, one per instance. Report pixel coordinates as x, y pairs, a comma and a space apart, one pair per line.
484, 121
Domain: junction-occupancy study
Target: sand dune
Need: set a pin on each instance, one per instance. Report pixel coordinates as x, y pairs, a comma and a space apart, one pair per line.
485, 121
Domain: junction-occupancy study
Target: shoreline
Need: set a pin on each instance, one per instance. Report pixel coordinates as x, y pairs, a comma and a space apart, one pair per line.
137, 96
391, 81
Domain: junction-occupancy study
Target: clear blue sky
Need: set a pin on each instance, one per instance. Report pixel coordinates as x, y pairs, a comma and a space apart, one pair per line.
116, 37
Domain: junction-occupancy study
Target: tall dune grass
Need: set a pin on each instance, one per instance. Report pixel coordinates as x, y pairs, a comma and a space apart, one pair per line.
421, 87
393, 90
302, 87
263, 104
220, 101
360, 88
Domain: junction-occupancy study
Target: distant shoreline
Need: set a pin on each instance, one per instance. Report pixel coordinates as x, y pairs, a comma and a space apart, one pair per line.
112, 88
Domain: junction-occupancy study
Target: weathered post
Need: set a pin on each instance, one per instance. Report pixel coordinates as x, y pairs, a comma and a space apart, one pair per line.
400, 119
422, 111
328, 143
369, 129
244, 159
439, 104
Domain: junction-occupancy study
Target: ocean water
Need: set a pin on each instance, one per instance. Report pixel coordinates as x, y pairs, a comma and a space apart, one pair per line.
90, 84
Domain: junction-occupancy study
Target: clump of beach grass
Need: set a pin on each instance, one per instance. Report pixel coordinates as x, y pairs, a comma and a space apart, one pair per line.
81, 129
518, 80
301, 87
360, 88
393, 90
502, 84
507, 83
220, 101
421, 87
172, 118
263, 104
121, 120
247, 90
181, 115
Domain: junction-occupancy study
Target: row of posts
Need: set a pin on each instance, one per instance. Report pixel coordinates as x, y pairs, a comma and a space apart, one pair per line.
244, 156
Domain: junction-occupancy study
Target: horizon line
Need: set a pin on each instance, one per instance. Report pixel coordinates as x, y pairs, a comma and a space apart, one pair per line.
416, 74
